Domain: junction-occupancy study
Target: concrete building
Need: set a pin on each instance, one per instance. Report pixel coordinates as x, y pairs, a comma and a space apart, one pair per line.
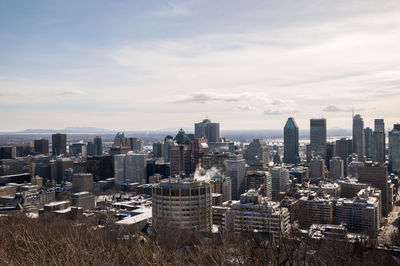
130, 168
358, 137
255, 213
236, 170
207, 129
257, 150
259, 181
158, 150
184, 204
84, 200
41, 146
291, 142
279, 181
394, 148
336, 168
317, 168
361, 213
59, 144
78, 149
222, 184
318, 137
180, 160
377, 176
82, 182
349, 187
352, 168
315, 211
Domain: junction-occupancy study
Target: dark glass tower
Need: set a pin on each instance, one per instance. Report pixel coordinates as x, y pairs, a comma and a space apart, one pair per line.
291, 142
318, 137
98, 146
59, 144
368, 143
358, 137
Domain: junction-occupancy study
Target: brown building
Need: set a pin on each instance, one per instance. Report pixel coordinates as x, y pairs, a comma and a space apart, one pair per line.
180, 160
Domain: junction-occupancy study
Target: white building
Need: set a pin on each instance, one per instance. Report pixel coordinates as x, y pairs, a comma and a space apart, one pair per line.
130, 168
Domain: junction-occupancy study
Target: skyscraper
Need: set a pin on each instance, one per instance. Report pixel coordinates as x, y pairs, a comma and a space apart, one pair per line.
98, 146
291, 142
336, 168
207, 129
358, 137
394, 148
236, 170
368, 143
41, 146
59, 144
257, 150
280, 181
318, 137
180, 157
378, 141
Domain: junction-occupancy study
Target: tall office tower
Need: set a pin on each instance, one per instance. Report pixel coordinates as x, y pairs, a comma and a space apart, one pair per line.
59, 144
376, 175
207, 129
61, 167
82, 182
280, 181
135, 167
259, 181
343, 148
255, 213
358, 137
378, 141
120, 139
336, 168
394, 148
90, 149
41, 146
291, 142
257, 150
130, 168
317, 168
158, 150
78, 149
136, 144
318, 137
98, 146
368, 143
330, 152
8, 152
182, 138
236, 170
168, 142
184, 204
180, 160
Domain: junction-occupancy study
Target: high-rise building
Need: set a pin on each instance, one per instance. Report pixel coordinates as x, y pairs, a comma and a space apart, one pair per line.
168, 142
41, 146
257, 150
259, 181
130, 168
255, 213
318, 137
82, 182
200, 148
98, 146
317, 168
184, 204
315, 211
222, 184
121, 140
291, 142
135, 144
207, 129
180, 160
330, 152
59, 144
394, 148
78, 149
158, 150
358, 137
379, 142
279, 180
62, 165
236, 170
368, 143
336, 168
343, 148
377, 176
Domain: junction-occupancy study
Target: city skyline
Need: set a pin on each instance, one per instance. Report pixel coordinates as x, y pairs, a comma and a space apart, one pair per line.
146, 66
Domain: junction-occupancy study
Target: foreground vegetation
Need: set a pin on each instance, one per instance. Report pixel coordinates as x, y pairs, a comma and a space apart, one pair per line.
56, 241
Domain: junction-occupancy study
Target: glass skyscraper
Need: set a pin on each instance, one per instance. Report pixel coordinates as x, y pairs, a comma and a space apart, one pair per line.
291, 142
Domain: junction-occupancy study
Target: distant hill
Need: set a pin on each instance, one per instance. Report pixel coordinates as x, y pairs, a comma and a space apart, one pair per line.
70, 130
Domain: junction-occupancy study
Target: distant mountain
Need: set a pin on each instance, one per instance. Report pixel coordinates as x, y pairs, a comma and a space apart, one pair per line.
70, 130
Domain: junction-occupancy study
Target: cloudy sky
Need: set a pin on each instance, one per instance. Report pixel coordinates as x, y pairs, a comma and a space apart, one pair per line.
134, 65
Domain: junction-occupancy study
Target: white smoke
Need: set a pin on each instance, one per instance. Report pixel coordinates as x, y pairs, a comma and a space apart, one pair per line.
206, 175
